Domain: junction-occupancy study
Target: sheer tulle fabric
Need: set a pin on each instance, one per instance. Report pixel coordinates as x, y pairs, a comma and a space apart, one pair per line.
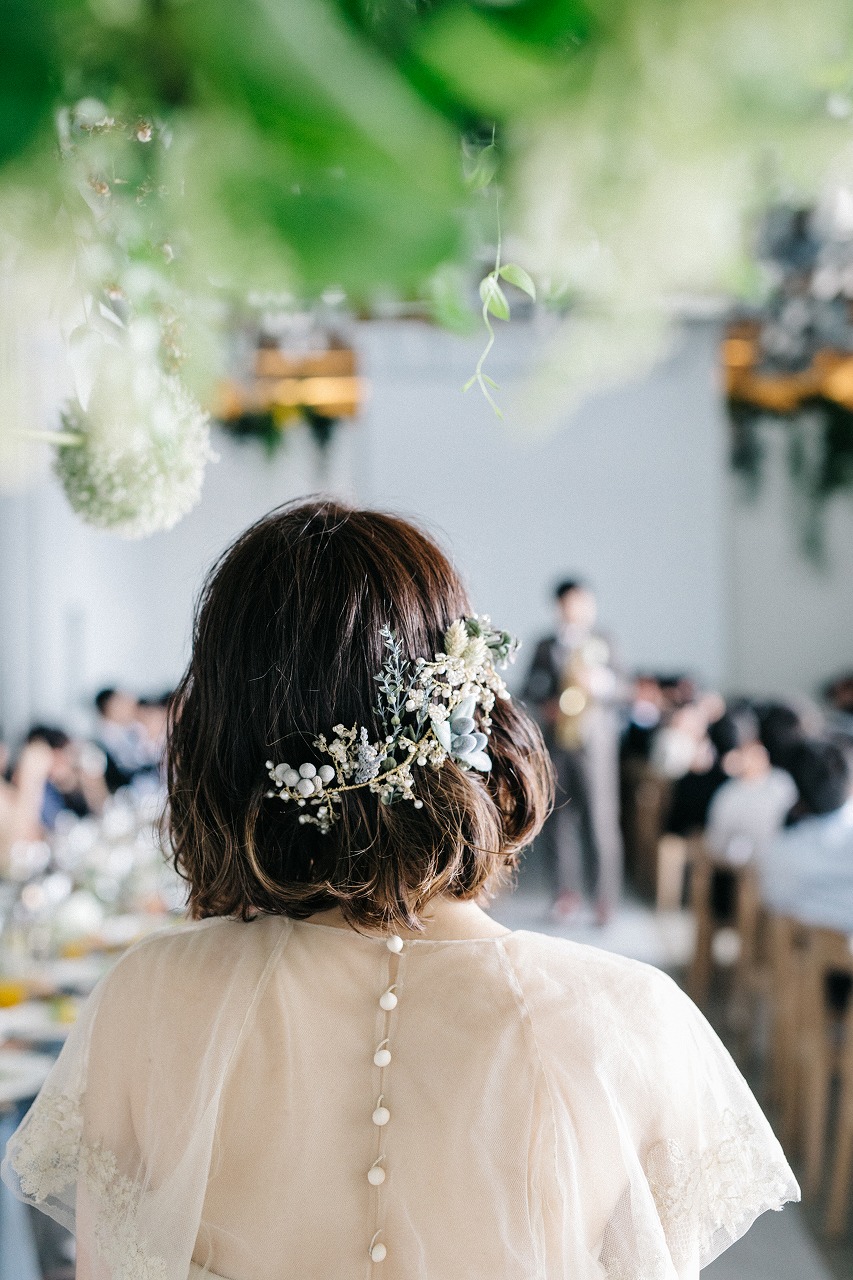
557, 1113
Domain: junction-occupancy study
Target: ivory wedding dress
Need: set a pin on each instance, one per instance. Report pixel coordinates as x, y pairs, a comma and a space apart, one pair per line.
290, 1101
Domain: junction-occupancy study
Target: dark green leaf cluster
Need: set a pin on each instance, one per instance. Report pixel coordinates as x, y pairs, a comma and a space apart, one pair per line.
819, 440
328, 132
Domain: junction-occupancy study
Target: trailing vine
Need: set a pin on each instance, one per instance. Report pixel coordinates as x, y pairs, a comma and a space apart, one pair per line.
493, 300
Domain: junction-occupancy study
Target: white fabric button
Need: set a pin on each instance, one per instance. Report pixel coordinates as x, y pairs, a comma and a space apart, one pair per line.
382, 1058
394, 944
388, 1001
305, 787
378, 1253
381, 1116
326, 773
376, 1176
307, 771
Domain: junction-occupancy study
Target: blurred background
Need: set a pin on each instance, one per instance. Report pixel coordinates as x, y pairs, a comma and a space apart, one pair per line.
572, 286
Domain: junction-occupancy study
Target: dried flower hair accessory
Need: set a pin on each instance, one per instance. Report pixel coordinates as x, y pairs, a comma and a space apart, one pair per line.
427, 712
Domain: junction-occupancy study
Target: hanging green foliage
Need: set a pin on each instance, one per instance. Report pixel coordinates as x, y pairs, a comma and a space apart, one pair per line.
365, 148
272, 435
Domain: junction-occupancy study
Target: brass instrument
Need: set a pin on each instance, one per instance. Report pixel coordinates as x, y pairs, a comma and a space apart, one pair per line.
575, 698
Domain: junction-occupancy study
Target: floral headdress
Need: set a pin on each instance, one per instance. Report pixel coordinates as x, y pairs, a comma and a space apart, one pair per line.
427, 713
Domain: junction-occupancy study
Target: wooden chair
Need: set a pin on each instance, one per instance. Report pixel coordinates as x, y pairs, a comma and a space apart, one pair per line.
651, 798
787, 943
747, 909
841, 1176
673, 859
826, 1051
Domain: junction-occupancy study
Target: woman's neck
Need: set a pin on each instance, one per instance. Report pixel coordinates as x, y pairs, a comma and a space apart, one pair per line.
445, 919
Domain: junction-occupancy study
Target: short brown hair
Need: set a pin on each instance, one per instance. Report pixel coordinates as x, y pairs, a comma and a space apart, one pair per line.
287, 643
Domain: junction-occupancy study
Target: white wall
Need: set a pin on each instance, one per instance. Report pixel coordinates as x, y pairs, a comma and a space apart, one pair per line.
632, 492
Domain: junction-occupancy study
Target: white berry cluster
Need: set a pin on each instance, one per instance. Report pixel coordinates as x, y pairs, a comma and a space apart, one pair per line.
428, 711
304, 784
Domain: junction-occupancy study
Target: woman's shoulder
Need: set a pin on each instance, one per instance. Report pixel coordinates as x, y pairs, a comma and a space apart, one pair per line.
601, 1004
575, 972
212, 950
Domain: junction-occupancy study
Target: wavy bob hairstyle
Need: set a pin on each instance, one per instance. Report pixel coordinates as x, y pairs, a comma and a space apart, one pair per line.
287, 643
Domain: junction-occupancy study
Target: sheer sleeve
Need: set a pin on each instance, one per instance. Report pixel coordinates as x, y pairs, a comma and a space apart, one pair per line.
650, 1154
118, 1145
707, 1162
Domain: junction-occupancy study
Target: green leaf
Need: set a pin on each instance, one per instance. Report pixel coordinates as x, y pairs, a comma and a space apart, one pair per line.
519, 277
494, 297
483, 168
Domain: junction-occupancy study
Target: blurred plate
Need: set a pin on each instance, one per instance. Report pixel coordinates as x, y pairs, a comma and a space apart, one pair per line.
34, 1021
78, 975
22, 1074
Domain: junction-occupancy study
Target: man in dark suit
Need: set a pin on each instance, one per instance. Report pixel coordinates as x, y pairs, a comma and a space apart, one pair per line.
575, 691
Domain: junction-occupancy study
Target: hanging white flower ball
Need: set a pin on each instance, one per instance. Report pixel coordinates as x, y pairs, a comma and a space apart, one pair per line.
137, 459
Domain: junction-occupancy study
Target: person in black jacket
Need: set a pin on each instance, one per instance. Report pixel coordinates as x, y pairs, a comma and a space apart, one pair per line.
575, 689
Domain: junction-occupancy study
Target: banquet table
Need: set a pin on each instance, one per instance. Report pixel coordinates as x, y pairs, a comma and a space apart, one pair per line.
22, 1074
32, 1032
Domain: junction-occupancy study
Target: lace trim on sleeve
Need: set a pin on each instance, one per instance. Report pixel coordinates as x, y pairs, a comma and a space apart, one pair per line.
46, 1154
707, 1200
49, 1159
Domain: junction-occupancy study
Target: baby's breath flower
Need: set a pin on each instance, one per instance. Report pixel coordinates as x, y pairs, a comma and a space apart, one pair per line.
142, 472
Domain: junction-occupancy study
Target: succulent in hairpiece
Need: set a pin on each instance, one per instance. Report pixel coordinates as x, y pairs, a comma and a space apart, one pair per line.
459, 736
427, 712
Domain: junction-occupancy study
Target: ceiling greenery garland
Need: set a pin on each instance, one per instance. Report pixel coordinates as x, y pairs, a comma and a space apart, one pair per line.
161, 160
789, 360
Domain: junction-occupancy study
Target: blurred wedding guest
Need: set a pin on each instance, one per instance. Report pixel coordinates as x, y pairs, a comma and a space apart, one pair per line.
838, 694
750, 808
644, 716
75, 777
780, 727
153, 716
681, 741
21, 796
576, 691
677, 691
121, 737
690, 750
807, 870
153, 721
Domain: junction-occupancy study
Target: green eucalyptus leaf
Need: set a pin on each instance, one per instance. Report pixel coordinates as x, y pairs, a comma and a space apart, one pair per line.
494, 297
519, 277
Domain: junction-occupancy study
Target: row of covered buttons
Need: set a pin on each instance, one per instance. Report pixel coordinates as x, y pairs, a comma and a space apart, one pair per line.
381, 1114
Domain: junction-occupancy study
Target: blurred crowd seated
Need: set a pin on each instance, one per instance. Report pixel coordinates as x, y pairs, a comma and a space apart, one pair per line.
55, 772
742, 812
